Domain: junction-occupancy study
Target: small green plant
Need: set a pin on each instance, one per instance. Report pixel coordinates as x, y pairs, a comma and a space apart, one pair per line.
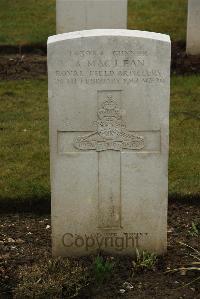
194, 229
144, 261
102, 268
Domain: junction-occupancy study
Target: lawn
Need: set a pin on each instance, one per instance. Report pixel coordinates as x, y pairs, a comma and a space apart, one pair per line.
24, 149
184, 162
32, 21
164, 16
26, 21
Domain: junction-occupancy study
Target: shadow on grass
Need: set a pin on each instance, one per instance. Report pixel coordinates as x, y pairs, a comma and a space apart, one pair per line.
35, 205
28, 48
42, 205
187, 199
41, 48
24, 49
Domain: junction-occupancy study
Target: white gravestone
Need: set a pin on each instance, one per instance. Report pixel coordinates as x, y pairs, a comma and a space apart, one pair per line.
193, 27
73, 15
109, 116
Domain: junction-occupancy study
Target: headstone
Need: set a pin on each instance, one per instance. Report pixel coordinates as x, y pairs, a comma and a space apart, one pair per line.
74, 15
109, 117
193, 27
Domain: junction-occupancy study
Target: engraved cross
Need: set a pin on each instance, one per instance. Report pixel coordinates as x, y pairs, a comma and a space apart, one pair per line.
109, 140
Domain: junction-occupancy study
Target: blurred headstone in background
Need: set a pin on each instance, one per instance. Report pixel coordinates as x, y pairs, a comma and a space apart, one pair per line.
193, 27
75, 15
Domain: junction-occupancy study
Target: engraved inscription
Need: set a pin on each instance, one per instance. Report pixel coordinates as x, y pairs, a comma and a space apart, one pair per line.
111, 133
118, 66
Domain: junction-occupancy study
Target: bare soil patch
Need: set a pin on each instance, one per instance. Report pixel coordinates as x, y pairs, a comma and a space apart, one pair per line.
26, 66
183, 64
25, 241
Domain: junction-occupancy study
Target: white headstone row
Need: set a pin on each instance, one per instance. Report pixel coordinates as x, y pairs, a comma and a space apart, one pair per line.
109, 124
75, 15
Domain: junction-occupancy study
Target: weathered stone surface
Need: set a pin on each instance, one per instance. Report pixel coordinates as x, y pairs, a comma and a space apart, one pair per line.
193, 27
109, 118
73, 15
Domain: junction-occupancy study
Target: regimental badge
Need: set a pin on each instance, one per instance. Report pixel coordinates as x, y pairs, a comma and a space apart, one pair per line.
111, 133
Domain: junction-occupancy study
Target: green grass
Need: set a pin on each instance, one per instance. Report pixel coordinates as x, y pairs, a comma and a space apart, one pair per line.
24, 150
25, 22
32, 21
184, 162
24, 153
164, 16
